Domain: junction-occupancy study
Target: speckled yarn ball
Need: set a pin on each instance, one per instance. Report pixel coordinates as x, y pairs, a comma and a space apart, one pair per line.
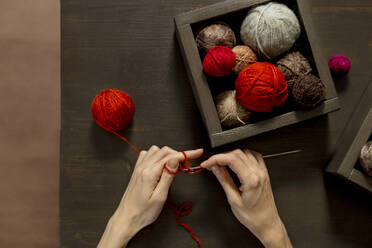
293, 65
309, 91
244, 57
270, 29
339, 64
230, 112
215, 35
219, 61
366, 158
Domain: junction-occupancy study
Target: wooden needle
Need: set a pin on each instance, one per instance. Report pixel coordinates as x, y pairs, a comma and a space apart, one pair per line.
264, 156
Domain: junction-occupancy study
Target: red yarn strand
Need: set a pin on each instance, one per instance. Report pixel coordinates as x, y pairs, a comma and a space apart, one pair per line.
183, 210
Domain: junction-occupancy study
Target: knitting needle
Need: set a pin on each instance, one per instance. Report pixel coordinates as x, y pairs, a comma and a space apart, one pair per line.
264, 156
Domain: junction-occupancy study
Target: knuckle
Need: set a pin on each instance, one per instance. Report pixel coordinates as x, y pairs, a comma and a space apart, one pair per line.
166, 149
254, 181
154, 147
146, 173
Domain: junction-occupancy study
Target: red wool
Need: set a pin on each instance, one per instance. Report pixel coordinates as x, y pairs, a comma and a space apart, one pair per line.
113, 110
260, 87
219, 61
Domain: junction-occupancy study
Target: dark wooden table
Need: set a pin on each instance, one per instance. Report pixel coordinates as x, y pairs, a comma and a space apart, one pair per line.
131, 45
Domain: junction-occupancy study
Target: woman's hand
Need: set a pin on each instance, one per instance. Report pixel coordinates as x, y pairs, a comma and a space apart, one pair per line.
145, 195
253, 202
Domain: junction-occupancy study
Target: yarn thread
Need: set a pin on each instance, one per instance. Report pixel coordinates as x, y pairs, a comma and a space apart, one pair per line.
339, 64
219, 61
244, 57
218, 34
309, 91
270, 29
113, 110
366, 158
230, 112
261, 87
294, 66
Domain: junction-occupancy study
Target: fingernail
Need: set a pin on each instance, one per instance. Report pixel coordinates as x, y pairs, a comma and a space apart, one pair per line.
172, 164
203, 164
216, 170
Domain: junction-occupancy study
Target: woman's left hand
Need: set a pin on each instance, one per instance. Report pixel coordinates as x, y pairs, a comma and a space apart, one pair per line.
145, 195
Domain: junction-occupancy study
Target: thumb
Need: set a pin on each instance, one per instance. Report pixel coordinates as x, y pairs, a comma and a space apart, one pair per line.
227, 183
166, 179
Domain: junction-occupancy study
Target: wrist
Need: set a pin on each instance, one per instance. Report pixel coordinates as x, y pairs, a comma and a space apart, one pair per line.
118, 233
274, 235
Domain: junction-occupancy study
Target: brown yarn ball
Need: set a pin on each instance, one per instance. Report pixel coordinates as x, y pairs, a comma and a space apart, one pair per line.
244, 57
366, 158
294, 65
308, 91
230, 112
215, 35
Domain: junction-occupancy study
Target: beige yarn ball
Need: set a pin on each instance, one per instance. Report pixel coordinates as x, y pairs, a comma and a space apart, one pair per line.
244, 57
230, 112
366, 158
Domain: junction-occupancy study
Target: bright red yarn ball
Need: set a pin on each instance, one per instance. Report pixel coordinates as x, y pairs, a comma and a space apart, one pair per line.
219, 61
260, 87
113, 109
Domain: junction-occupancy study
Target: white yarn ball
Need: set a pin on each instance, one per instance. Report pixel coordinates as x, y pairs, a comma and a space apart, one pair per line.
270, 29
230, 112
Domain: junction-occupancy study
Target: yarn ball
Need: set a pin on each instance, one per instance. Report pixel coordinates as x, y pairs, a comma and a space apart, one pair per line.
215, 35
293, 65
270, 29
244, 57
339, 64
230, 112
113, 109
260, 87
219, 61
309, 91
366, 158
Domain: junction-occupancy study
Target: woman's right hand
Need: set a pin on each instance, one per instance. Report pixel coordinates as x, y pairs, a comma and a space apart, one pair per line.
253, 202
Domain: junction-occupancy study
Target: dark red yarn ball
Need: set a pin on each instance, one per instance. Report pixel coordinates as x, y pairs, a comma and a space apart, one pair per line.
260, 87
219, 61
113, 109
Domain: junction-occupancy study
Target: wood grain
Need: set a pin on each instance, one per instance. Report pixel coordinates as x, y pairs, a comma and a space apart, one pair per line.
131, 45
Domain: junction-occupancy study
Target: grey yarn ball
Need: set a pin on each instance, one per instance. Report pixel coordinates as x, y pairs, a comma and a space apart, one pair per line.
366, 158
270, 29
230, 112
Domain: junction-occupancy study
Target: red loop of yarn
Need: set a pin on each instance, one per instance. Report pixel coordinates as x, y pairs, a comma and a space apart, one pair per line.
113, 110
219, 61
260, 87
183, 210
186, 168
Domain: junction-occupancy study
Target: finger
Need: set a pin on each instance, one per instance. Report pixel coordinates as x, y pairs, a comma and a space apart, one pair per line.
151, 151
141, 157
227, 159
161, 153
166, 179
191, 154
227, 183
259, 159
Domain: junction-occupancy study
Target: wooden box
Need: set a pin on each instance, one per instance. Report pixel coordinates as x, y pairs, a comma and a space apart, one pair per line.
233, 12
345, 163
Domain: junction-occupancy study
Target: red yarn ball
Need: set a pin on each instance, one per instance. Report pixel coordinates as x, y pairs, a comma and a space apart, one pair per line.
260, 87
219, 61
113, 109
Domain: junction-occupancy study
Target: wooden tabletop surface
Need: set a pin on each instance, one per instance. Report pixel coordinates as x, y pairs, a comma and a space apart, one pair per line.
131, 45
